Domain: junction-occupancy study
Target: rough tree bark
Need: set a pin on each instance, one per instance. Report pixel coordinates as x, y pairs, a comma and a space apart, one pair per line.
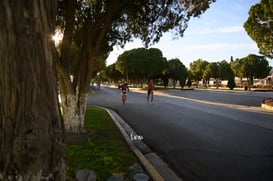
31, 128
74, 96
74, 92
73, 103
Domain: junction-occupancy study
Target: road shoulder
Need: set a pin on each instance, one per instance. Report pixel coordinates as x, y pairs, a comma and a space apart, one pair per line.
153, 164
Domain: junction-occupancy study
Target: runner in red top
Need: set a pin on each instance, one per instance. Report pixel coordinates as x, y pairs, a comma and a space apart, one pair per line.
124, 88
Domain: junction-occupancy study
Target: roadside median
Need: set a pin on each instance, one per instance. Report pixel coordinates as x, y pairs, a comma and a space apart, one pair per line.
101, 148
107, 149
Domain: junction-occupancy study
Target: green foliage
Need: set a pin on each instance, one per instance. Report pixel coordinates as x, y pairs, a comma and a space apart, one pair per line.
177, 71
145, 19
141, 64
208, 72
236, 68
212, 71
197, 69
251, 66
96, 26
219, 70
189, 83
111, 73
231, 83
225, 71
259, 26
254, 66
164, 78
104, 150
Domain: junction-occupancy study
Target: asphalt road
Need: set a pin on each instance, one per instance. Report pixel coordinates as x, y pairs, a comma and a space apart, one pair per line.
204, 141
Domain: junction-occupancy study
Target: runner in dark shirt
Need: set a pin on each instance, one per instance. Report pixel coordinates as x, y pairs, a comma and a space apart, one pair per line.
150, 91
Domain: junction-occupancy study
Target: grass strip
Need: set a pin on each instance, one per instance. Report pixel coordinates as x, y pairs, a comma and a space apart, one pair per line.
101, 149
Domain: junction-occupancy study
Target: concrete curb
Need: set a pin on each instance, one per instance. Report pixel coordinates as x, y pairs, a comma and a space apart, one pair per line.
147, 165
156, 168
265, 106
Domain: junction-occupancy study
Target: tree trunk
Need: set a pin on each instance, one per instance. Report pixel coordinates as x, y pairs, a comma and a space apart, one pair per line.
31, 128
74, 95
249, 82
88, 62
74, 107
217, 83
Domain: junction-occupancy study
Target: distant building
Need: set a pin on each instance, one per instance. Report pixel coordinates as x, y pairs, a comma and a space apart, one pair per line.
265, 82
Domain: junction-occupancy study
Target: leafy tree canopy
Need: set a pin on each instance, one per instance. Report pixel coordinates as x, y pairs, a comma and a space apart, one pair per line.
177, 71
141, 64
111, 73
225, 71
259, 26
197, 68
254, 66
106, 23
235, 66
213, 69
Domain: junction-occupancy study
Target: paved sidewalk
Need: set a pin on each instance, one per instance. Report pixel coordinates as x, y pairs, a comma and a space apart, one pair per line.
262, 108
157, 169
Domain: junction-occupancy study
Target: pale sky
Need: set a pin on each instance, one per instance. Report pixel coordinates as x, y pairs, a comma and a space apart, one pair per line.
217, 35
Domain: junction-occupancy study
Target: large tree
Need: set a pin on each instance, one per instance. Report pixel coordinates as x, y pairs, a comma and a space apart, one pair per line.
212, 71
254, 66
177, 71
259, 26
197, 69
96, 26
141, 64
111, 73
236, 68
226, 73
31, 129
